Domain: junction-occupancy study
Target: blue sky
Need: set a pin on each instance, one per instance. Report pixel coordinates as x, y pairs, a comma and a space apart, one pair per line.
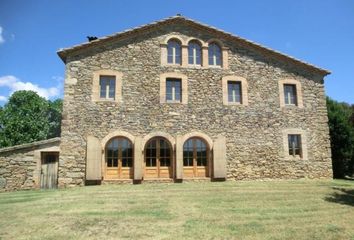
320, 32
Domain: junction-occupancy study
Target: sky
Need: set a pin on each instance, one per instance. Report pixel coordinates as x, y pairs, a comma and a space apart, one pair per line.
320, 32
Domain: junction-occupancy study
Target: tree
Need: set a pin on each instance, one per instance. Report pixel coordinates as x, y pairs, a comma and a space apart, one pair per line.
54, 117
342, 137
28, 117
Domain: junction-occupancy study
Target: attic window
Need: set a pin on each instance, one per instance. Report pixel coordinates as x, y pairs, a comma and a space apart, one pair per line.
173, 52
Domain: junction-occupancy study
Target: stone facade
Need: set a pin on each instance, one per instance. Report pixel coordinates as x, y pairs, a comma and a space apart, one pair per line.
253, 132
20, 166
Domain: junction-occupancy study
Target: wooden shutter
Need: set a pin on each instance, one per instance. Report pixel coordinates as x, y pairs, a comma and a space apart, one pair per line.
93, 159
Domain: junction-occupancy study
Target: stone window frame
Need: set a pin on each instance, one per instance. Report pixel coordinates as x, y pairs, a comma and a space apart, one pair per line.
96, 85
184, 85
298, 87
224, 54
244, 90
184, 49
304, 147
184, 52
204, 54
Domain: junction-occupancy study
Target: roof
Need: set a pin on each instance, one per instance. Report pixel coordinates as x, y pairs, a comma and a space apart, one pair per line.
29, 145
64, 52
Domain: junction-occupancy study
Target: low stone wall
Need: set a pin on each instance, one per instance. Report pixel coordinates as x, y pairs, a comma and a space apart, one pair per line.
20, 166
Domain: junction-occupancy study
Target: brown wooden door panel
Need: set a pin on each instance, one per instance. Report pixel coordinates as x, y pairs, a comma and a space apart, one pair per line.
49, 170
158, 151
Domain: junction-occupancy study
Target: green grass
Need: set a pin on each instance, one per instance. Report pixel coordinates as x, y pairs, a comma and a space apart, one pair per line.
301, 209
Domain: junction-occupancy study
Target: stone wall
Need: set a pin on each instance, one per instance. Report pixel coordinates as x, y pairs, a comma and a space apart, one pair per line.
254, 140
20, 165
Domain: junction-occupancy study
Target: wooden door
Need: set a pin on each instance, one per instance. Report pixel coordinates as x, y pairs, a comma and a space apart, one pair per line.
119, 159
195, 158
158, 159
49, 170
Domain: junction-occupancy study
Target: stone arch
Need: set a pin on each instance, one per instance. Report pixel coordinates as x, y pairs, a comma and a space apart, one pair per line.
117, 133
171, 37
201, 42
201, 135
159, 134
217, 41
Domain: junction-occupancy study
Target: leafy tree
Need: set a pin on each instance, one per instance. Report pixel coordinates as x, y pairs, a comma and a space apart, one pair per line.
54, 117
28, 117
342, 137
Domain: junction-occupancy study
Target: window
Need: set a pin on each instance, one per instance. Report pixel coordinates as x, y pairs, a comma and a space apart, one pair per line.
107, 87
194, 53
195, 153
158, 153
290, 97
294, 143
173, 90
173, 52
119, 153
214, 55
234, 92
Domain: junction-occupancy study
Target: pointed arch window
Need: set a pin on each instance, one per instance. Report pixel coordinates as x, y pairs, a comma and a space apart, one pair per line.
194, 53
174, 55
214, 52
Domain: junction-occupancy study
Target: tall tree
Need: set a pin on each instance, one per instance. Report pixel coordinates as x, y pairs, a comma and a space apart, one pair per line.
54, 117
27, 117
342, 137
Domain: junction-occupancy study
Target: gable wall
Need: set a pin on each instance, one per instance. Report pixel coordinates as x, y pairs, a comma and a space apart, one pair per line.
253, 133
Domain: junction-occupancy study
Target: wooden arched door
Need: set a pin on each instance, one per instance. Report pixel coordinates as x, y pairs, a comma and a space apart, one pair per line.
195, 158
119, 159
158, 158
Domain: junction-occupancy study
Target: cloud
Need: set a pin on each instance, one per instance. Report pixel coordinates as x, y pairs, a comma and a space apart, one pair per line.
3, 98
14, 84
2, 40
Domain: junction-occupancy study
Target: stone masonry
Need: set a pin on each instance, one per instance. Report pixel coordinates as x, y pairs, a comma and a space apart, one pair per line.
20, 165
253, 132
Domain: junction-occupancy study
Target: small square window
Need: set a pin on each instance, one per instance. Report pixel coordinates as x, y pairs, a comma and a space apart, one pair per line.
294, 143
290, 96
173, 90
234, 92
107, 87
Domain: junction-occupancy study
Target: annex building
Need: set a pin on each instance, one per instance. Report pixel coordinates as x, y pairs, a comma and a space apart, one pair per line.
178, 100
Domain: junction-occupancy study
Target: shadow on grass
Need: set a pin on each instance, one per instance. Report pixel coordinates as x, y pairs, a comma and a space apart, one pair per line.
342, 196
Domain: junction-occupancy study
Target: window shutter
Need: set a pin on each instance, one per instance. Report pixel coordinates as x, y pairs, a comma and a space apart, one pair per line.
219, 164
93, 159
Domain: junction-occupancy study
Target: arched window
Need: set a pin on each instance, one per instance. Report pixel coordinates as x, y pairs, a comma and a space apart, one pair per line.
194, 53
119, 158
214, 54
173, 52
158, 158
195, 158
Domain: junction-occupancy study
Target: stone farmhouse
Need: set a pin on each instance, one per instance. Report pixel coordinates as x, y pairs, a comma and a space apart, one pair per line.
179, 100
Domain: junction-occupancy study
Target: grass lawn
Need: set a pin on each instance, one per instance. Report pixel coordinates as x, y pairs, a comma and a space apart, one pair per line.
301, 209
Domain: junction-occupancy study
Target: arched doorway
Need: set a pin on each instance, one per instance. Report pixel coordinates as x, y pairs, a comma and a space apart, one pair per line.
119, 159
158, 158
195, 158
